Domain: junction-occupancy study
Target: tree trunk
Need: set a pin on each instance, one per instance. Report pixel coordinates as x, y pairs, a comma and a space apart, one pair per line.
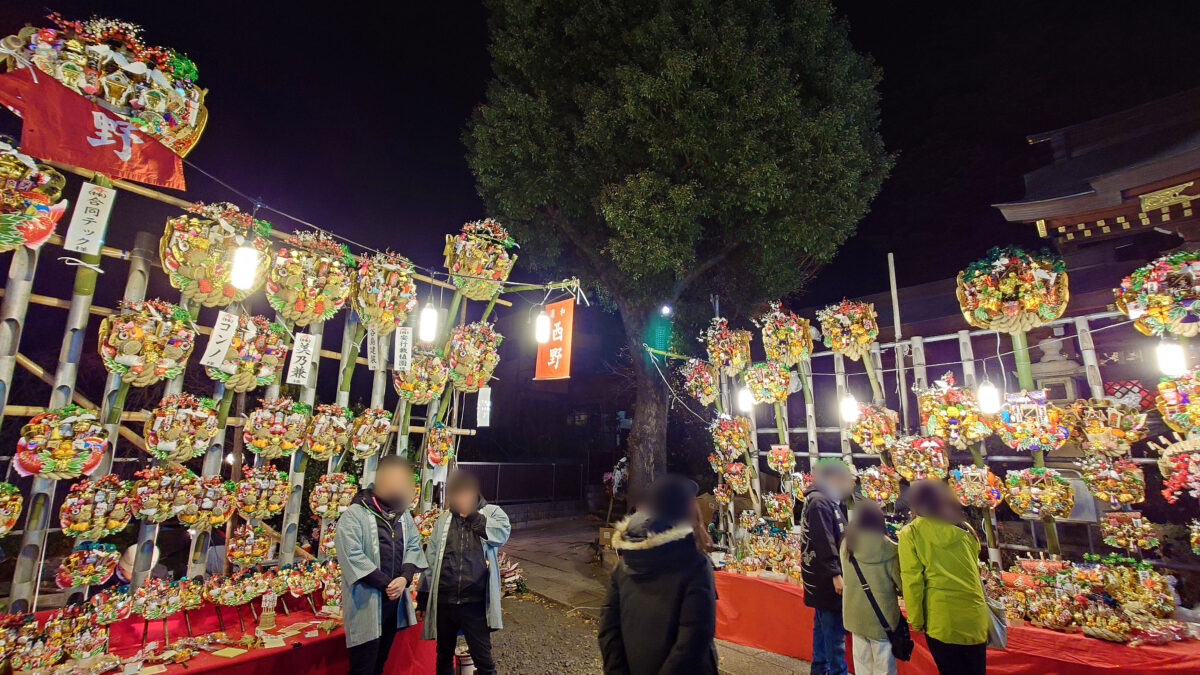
648, 435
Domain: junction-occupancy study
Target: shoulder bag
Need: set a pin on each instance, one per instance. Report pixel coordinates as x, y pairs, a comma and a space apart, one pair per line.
901, 639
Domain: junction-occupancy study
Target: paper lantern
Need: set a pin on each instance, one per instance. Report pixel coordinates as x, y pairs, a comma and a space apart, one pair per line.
61, 444
478, 258
276, 428
1013, 291
197, 252
181, 428
310, 278
146, 341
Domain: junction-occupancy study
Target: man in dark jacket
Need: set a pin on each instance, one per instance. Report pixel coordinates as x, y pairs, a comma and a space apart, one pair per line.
822, 524
660, 615
462, 591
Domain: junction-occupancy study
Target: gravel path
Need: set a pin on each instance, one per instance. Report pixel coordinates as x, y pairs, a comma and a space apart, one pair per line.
540, 638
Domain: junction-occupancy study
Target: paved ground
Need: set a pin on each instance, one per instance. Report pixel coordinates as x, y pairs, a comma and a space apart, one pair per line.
557, 557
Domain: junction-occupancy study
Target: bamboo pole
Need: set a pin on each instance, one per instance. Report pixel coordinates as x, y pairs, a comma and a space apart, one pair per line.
810, 412
291, 511
17, 289
1020, 343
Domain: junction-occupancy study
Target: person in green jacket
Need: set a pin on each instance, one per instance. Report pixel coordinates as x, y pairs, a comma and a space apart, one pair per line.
939, 568
866, 540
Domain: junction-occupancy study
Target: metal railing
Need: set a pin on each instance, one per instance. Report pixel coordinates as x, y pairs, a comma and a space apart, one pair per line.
513, 482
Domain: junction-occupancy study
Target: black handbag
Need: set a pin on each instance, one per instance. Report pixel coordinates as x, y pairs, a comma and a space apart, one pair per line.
901, 639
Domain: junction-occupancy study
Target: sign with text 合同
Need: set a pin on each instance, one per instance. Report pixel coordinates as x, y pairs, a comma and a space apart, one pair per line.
554, 355
89, 221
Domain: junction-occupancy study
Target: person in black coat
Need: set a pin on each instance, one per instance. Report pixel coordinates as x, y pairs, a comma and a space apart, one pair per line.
822, 524
660, 615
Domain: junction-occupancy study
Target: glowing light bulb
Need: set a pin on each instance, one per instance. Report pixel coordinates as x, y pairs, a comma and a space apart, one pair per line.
745, 400
427, 327
849, 408
541, 328
229, 458
245, 267
1172, 359
989, 398
665, 310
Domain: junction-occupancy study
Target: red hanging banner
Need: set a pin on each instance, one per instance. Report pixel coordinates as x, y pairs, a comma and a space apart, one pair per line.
554, 357
62, 126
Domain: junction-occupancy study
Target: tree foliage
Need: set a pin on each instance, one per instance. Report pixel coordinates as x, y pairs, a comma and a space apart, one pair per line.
667, 150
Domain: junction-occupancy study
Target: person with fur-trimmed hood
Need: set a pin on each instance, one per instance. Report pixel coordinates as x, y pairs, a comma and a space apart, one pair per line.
660, 615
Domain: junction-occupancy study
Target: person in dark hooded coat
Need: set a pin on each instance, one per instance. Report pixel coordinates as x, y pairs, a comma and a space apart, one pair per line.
822, 524
660, 615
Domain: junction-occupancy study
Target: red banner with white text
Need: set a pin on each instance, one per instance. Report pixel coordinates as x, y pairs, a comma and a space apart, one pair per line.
554, 356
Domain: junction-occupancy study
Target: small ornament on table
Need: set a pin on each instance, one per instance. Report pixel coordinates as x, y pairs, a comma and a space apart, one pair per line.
976, 486
767, 382
262, 492
157, 599
1178, 402
1162, 296
880, 483
331, 496
781, 459
161, 493
1128, 530
787, 338
728, 350
439, 445
266, 619
849, 328
181, 427
276, 428
328, 432
111, 605
213, 506
952, 413
737, 477
919, 457
61, 444
146, 341
472, 354
88, 564
877, 428
1039, 492
699, 380
384, 291
1028, 422
197, 252
478, 258
1119, 482
94, 509
369, 432
248, 545
1013, 291
310, 278
424, 380
331, 591
1108, 428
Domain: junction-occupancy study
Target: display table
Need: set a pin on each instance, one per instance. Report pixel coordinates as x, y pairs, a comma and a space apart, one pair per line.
772, 616
322, 653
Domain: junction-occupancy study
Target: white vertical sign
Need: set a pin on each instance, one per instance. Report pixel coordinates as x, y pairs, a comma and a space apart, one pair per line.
218, 343
302, 355
483, 407
373, 348
89, 221
402, 356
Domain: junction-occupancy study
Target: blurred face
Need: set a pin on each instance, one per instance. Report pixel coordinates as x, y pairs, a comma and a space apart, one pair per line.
463, 500
395, 485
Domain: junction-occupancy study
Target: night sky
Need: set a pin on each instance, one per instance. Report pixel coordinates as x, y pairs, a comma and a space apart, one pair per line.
353, 121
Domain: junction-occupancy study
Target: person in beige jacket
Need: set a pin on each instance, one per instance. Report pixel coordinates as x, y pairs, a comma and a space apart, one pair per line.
866, 539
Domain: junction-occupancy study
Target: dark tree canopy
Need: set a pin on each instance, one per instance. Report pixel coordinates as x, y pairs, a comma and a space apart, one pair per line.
664, 150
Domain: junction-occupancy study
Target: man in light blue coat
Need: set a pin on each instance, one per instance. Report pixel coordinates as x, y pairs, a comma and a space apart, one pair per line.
461, 591
379, 552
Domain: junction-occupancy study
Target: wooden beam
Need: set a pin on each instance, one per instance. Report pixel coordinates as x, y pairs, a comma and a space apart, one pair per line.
40, 372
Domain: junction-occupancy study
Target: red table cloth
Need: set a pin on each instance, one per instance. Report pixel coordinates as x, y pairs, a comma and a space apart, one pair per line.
772, 616
323, 653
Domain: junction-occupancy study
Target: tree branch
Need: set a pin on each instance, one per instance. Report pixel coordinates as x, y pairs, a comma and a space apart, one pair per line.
608, 273
702, 268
